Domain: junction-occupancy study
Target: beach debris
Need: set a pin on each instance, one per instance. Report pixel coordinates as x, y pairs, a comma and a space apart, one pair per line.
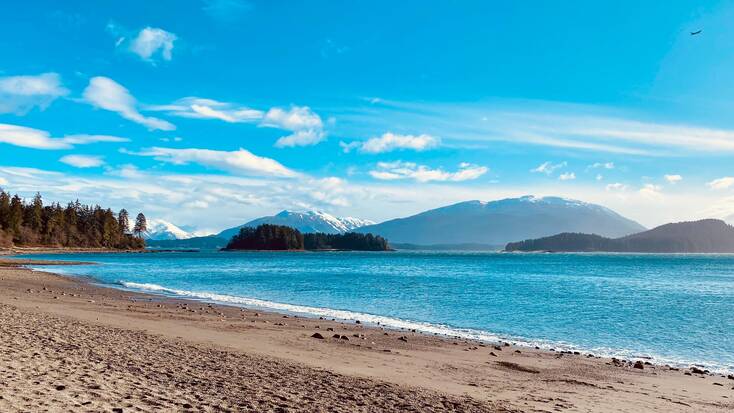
639, 365
357, 322
518, 351
491, 353
717, 384
696, 370
403, 338
117, 410
317, 335
730, 377
344, 338
329, 329
498, 348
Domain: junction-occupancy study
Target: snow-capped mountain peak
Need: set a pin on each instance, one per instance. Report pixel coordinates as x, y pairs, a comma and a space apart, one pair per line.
159, 229
306, 222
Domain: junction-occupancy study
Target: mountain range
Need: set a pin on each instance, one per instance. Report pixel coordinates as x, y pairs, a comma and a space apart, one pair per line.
704, 236
304, 221
498, 222
159, 230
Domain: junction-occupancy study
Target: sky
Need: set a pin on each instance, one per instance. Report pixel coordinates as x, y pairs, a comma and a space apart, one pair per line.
211, 113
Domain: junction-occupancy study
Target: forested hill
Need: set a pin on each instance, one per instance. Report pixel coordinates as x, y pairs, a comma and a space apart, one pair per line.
705, 236
280, 238
72, 226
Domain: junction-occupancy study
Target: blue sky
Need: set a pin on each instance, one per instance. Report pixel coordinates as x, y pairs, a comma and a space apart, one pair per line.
209, 113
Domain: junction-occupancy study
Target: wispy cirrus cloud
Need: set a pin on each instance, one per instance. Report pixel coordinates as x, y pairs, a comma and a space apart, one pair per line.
673, 178
40, 139
105, 93
201, 108
390, 171
721, 183
305, 125
20, 94
239, 162
389, 142
549, 167
552, 124
83, 161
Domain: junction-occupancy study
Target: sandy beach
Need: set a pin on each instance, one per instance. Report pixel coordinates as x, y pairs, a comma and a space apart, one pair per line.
68, 345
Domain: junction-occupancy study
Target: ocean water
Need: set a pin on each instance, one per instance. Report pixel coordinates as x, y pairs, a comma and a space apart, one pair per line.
676, 309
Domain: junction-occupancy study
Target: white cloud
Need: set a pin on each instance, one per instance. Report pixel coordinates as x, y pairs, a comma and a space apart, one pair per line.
296, 118
389, 142
548, 168
201, 108
599, 177
20, 94
107, 94
568, 176
651, 191
306, 125
151, 41
241, 161
721, 183
390, 171
39, 139
3, 181
673, 179
604, 165
616, 187
83, 161
304, 137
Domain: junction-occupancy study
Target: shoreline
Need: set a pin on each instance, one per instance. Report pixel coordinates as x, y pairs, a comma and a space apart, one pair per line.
624, 356
456, 367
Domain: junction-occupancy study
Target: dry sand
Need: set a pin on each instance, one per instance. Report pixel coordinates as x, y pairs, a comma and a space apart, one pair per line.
66, 345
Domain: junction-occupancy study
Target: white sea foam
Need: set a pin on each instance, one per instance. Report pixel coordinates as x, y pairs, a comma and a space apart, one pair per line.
427, 328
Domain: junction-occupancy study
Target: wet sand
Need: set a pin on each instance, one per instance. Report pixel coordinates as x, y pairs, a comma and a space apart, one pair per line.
70, 346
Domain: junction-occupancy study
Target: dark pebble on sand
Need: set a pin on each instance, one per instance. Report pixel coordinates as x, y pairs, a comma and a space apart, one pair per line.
60, 387
317, 335
491, 353
639, 365
403, 338
117, 410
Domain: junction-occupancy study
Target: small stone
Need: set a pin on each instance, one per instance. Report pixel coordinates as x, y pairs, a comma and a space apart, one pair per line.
639, 365
336, 336
358, 322
718, 384
329, 329
317, 335
344, 338
730, 377
518, 351
186, 406
498, 348
117, 410
403, 338
491, 353
697, 370
60, 387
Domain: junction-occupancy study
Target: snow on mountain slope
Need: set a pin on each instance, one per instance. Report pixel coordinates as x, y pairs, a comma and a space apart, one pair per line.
159, 229
304, 221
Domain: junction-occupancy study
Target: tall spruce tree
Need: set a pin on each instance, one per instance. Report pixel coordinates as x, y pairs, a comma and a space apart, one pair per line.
141, 225
123, 221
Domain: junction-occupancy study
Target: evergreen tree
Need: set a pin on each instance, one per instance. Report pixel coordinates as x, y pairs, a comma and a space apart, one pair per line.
36, 213
4, 210
141, 225
123, 221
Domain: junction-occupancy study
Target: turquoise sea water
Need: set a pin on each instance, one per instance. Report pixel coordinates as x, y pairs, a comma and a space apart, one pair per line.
677, 309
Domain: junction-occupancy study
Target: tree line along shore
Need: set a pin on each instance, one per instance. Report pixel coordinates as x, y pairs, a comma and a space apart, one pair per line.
283, 238
33, 224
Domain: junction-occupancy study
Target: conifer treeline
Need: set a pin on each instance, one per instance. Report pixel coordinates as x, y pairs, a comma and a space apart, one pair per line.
279, 237
74, 226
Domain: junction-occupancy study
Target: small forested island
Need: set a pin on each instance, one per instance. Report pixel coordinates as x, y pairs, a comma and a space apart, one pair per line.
33, 224
282, 238
704, 236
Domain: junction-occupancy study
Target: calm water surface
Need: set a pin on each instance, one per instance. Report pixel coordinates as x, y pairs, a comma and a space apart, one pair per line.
675, 308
